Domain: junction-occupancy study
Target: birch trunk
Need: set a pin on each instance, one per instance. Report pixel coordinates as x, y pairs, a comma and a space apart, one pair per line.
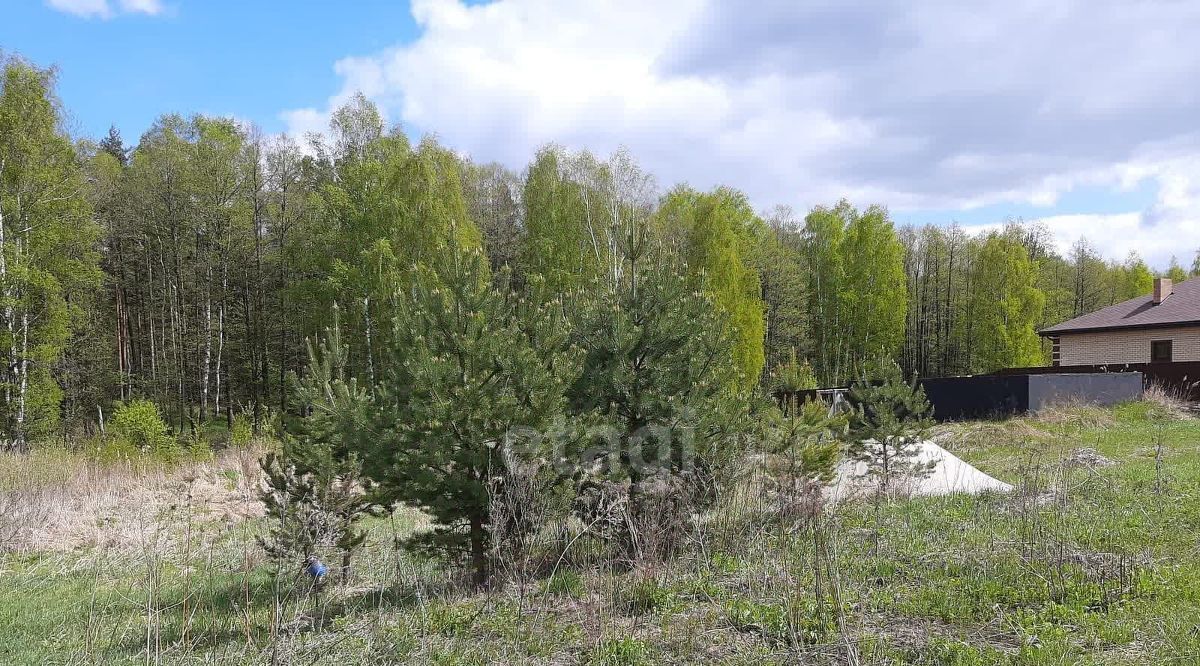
6, 371
370, 353
220, 353
207, 368
24, 371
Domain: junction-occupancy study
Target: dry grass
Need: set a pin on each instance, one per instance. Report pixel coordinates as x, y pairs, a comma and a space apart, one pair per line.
55, 500
1172, 401
1071, 413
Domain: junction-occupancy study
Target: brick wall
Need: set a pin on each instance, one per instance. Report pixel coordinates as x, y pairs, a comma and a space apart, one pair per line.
1132, 346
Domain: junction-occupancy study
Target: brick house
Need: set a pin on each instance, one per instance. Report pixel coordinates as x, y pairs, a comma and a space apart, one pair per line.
1162, 327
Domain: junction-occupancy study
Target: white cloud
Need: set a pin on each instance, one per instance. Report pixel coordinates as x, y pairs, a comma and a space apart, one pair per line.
105, 9
919, 105
151, 7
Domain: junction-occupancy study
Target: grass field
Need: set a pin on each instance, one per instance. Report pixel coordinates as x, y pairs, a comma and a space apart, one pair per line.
1086, 563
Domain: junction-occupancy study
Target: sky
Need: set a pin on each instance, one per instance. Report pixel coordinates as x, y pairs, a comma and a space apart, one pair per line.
1080, 114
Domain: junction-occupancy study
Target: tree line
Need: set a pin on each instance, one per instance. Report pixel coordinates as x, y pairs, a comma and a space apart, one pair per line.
195, 267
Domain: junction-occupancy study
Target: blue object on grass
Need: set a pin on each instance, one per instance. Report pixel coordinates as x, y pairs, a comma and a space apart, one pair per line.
314, 568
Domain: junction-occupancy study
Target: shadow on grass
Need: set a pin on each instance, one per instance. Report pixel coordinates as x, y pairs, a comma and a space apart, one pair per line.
246, 616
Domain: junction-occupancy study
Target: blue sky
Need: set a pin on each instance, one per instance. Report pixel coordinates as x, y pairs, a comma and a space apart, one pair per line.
248, 59
1078, 113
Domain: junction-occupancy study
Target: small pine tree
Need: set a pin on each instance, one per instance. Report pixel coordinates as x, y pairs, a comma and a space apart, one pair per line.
809, 436
891, 418
315, 509
316, 492
658, 370
793, 375
467, 370
661, 382
807, 446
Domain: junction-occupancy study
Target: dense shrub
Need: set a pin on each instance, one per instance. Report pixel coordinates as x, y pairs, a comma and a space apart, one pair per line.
138, 427
793, 375
242, 430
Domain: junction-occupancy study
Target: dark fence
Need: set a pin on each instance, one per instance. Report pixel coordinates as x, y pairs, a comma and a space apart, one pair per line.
980, 396
1182, 377
1002, 394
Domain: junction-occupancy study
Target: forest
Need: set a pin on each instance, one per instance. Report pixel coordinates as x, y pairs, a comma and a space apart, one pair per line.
195, 268
357, 398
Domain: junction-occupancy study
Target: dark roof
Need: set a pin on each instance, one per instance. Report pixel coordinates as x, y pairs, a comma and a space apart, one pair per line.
1181, 308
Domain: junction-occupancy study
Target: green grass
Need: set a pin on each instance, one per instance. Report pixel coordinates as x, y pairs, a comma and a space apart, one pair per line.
1088, 566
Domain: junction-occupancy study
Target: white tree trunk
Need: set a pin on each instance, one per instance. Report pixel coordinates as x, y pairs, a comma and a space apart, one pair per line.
205, 371
8, 309
370, 353
24, 370
220, 353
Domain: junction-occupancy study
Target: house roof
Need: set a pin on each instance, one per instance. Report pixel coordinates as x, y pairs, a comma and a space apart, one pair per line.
1181, 308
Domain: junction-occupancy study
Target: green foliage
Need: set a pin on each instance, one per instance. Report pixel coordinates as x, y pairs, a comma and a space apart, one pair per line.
809, 439
1007, 310
383, 208
656, 372
558, 245
793, 375
857, 289
1133, 278
873, 299
313, 510
890, 419
626, 651
1175, 271
242, 431
646, 595
316, 493
471, 374
584, 218
48, 258
787, 623
566, 582
778, 256
719, 230
139, 426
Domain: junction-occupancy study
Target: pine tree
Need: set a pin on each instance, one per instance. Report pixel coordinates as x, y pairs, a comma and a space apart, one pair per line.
793, 375
316, 491
469, 371
890, 420
657, 368
113, 145
807, 438
659, 382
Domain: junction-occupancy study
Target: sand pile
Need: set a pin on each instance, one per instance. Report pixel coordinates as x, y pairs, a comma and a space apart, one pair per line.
948, 474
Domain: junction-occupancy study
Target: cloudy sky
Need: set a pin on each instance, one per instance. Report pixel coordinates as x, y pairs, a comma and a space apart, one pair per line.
1081, 114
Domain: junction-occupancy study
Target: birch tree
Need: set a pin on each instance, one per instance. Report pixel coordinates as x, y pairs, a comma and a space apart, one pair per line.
47, 249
